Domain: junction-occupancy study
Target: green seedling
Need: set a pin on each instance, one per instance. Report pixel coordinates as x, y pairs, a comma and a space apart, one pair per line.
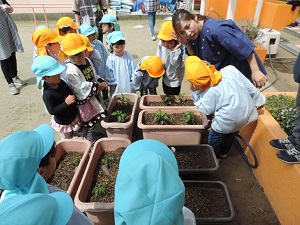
108, 161
121, 116
99, 190
160, 117
123, 99
189, 117
167, 100
182, 100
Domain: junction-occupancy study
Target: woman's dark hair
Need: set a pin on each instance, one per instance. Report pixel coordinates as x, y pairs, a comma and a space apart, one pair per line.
184, 15
121, 42
46, 159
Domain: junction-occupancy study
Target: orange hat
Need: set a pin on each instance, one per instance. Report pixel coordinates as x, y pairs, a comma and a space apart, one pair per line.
154, 66
72, 44
87, 42
42, 37
66, 22
166, 31
200, 74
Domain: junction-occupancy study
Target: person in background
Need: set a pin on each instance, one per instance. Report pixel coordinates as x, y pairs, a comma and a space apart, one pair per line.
65, 25
90, 12
57, 96
99, 53
289, 148
120, 65
10, 43
228, 95
23, 157
147, 74
152, 6
219, 42
148, 188
109, 24
82, 79
172, 53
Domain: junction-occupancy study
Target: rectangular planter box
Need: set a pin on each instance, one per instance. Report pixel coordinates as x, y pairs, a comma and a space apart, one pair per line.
66, 146
173, 134
123, 130
280, 181
100, 213
202, 155
159, 98
207, 192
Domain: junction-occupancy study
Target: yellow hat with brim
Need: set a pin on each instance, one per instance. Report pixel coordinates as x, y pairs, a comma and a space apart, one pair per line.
42, 37
73, 44
166, 31
154, 66
66, 22
87, 42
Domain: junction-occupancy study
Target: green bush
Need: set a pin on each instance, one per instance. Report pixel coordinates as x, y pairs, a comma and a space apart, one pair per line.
283, 108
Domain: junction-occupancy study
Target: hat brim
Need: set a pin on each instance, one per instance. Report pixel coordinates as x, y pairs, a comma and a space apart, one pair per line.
54, 72
56, 39
157, 75
164, 37
75, 51
47, 135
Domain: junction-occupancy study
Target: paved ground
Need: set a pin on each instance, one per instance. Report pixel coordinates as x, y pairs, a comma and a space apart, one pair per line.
26, 111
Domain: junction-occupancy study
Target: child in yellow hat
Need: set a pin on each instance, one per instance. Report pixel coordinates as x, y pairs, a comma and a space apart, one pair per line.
65, 25
172, 53
82, 79
147, 74
227, 94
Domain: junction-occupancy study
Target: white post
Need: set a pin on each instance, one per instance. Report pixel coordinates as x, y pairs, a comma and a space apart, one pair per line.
231, 9
257, 13
202, 7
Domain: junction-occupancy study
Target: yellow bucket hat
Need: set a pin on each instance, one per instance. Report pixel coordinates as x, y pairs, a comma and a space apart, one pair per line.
72, 44
65, 22
166, 31
42, 37
199, 74
154, 66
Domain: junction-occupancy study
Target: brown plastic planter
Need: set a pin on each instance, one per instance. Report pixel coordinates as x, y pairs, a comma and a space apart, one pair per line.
173, 134
212, 200
66, 146
123, 130
199, 159
100, 213
159, 98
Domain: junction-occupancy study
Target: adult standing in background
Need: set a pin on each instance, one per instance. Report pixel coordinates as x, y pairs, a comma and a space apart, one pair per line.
151, 7
10, 43
90, 12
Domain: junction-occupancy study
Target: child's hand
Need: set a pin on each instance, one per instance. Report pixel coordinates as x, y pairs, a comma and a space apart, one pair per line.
177, 46
102, 86
193, 88
113, 87
70, 99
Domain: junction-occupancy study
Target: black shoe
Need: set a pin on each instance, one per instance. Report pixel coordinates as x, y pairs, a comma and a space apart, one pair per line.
289, 156
284, 144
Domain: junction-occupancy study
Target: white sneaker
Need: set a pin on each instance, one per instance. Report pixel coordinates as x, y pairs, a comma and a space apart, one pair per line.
13, 90
153, 38
18, 81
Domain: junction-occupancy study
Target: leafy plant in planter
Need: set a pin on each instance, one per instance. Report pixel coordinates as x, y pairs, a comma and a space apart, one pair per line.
160, 117
189, 117
181, 98
167, 100
121, 116
123, 99
283, 108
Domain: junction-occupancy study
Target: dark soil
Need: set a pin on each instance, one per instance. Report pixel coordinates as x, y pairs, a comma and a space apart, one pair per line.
206, 202
125, 108
103, 181
65, 170
195, 160
171, 101
174, 119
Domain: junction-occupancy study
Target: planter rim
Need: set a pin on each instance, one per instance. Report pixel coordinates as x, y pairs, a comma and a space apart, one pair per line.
171, 111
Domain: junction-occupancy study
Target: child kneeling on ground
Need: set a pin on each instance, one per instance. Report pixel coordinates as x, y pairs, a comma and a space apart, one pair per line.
227, 94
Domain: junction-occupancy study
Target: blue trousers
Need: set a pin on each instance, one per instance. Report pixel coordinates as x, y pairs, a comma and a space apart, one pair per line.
221, 143
296, 131
151, 19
